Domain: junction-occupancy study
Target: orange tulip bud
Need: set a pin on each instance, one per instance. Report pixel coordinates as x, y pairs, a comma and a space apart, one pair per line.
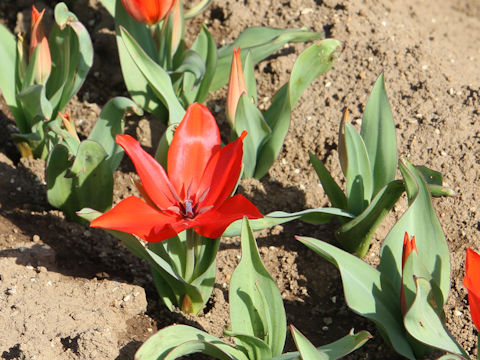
148, 11
236, 85
39, 40
472, 282
408, 246
69, 124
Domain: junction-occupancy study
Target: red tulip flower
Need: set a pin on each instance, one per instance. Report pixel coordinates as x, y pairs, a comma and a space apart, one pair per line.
472, 282
196, 193
39, 39
148, 11
409, 245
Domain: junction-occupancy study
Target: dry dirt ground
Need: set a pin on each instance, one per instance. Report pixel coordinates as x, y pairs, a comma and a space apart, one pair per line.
70, 292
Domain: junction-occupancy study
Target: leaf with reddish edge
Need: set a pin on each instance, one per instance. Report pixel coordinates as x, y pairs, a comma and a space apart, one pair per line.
153, 176
195, 140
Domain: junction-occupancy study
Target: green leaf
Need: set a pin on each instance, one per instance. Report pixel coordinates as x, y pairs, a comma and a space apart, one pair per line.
205, 46
59, 187
250, 283
355, 236
262, 42
35, 103
255, 348
316, 60
367, 292
197, 9
331, 188
8, 59
359, 173
135, 81
155, 75
313, 216
165, 341
423, 323
378, 134
249, 75
72, 57
109, 5
305, 347
109, 125
93, 178
192, 63
420, 221
198, 346
277, 117
249, 118
431, 177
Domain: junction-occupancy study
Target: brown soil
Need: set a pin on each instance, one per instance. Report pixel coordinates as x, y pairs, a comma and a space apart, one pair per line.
70, 292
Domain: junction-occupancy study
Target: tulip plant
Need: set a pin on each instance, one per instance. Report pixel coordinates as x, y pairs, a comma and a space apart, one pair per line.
368, 161
258, 322
38, 84
162, 75
184, 210
405, 295
80, 173
268, 130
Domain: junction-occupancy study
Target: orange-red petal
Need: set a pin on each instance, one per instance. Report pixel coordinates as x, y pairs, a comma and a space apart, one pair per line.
152, 175
148, 11
195, 141
472, 282
222, 173
132, 215
213, 223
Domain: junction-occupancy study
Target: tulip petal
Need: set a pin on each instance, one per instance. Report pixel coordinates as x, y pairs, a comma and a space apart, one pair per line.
152, 175
472, 283
213, 223
195, 141
132, 215
148, 11
222, 173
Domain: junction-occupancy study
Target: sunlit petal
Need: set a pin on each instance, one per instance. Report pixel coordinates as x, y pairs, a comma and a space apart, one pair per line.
195, 141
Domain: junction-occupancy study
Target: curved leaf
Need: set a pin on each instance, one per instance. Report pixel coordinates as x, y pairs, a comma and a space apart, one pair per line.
367, 293
378, 133
420, 221
256, 306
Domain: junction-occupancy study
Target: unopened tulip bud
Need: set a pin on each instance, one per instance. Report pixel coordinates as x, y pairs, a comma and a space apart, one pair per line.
39, 40
148, 11
472, 282
236, 85
408, 246
69, 124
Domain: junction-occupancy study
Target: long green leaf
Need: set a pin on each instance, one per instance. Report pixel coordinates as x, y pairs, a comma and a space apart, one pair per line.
158, 346
313, 216
263, 42
420, 221
378, 133
109, 125
249, 314
367, 293
423, 323
249, 118
316, 60
355, 236
334, 192
359, 172
156, 77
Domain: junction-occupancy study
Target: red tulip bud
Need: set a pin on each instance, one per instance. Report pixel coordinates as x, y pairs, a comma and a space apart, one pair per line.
408, 246
38, 39
236, 85
148, 11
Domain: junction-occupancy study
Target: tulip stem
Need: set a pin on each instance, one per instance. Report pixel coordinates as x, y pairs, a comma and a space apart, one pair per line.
190, 254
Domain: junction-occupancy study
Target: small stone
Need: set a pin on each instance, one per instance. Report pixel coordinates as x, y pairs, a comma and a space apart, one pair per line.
325, 328
35, 238
11, 290
126, 298
333, 299
458, 313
